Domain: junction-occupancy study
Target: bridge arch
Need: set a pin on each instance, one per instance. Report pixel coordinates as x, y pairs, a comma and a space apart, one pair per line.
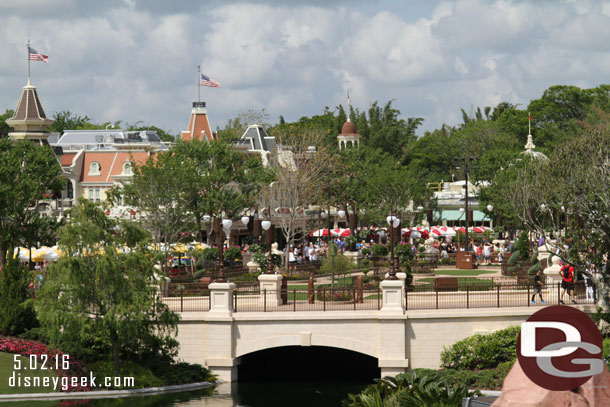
307, 340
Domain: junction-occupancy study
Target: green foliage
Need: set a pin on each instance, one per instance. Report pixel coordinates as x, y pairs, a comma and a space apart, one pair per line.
523, 246
5, 129
534, 258
143, 377
181, 373
534, 269
379, 250
118, 289
416, 388
482, 351
28, 173
198, 274
232, 254
404, 253
340, 264
16, 313
514, 259
210, 254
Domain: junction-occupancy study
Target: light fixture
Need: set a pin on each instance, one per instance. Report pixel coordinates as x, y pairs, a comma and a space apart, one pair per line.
227, 223
206, 218
420, 208
245, 220
393, 221
341, 213
490, 208
266, 224
563, 208
323, 215
542, 207
462, 210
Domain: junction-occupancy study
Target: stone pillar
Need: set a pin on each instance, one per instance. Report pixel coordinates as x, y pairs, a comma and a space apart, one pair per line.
221, 298
552, 271
393, 296
271, 283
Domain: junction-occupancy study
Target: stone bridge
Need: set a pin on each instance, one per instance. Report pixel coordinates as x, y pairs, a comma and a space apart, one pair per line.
398, 339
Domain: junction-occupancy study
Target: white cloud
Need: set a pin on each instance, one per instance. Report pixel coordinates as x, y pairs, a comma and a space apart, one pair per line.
120, 61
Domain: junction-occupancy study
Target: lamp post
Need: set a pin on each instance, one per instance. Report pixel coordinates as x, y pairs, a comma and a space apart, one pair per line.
220, 277
467, 163
394, 222
266, 225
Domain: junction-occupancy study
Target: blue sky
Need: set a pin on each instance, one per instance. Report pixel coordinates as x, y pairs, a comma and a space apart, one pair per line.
137, 60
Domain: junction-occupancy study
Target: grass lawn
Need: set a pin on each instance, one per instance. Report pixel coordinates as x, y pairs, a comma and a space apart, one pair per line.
466, 272
6, 371
473, 284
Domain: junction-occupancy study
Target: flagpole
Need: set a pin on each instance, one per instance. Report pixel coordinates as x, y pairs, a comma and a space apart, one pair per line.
198, 83
28, 55
529, 123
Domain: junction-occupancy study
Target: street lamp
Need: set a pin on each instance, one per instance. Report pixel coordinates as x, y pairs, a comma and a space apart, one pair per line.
110, 125
393, 222
218, 227
266, 225
467, 163
490, 208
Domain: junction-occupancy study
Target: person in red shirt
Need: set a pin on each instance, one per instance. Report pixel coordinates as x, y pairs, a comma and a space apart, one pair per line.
567, 282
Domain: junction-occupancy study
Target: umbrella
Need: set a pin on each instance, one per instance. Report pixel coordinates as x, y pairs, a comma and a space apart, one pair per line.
319, 233
23, 253
198, 246
442, 231
341, 232
51, 255
39, 254
179, 248
479, 229
459, 229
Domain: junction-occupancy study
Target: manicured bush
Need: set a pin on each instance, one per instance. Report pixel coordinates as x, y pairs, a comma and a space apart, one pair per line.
232, 254
523, 246
404, 252
340, 264
482, 351
380, 250
181, 373
16, 313
143, 377
199, 274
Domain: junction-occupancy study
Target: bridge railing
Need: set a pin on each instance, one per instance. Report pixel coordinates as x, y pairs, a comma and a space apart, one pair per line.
323, 299
487, 296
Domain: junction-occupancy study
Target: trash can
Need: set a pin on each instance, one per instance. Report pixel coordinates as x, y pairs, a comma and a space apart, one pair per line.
465, 260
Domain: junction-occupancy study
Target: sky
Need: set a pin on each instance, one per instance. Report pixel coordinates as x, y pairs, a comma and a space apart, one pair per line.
136, 60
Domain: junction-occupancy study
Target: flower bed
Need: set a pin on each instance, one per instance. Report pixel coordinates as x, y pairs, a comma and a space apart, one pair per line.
55, 358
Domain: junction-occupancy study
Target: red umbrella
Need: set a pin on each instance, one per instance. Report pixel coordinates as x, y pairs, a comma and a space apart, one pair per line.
319, 233
479, 229
341, 232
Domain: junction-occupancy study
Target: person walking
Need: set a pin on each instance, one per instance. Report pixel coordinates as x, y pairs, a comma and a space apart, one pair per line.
567, 282
538, 287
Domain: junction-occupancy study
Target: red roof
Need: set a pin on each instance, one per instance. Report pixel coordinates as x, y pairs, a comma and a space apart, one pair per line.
66, 159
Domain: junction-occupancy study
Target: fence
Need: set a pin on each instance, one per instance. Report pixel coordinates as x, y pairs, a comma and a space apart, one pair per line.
322, 299
492, 295
190, 297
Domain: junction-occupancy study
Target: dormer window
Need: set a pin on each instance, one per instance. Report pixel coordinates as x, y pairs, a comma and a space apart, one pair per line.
94, 168
127, 170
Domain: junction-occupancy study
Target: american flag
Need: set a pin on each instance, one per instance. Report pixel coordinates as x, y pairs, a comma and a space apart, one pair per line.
349, 100
206, 81
37, 56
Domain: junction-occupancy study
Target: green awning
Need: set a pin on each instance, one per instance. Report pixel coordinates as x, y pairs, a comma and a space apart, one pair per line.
455, 215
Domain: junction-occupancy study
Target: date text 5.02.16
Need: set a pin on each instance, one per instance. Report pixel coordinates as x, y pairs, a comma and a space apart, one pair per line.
42, 362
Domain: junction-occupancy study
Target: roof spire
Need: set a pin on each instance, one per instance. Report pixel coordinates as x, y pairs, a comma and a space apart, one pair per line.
349, 105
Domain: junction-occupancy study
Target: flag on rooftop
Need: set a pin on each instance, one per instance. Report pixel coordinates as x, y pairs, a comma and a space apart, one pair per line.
37, 56
349, 100
206, 81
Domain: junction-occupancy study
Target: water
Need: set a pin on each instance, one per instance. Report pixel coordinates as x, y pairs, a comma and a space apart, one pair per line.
268, 393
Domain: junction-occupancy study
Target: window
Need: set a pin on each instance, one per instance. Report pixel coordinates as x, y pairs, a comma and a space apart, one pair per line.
94, 168
70, 190
94, 194
127, 168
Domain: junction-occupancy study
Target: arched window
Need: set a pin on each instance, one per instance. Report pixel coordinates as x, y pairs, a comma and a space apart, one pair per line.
127, 170
94, 168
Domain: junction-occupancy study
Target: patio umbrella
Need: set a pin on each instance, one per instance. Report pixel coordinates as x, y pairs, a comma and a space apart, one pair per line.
39, 254
479, 229
319, 233
459, 229
179, 248
341, 232
23, 253
51, 255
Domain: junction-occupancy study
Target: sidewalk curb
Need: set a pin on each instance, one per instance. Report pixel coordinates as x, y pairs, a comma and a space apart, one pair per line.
102, 394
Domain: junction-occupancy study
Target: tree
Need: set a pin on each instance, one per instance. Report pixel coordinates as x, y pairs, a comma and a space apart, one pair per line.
576, 181
99, 295
5, 129
27, 173
66, 120
216, 180
16, 315
158, 194
236, 127
302, 162
163, 135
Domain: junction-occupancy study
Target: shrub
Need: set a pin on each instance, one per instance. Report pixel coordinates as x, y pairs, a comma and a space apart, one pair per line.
523, 246
143, 377
365, 251
606, 351
232, 254
198, 274
210, 254
340, 264
181, 373
379, 250
482, 351
16, 313
404, 252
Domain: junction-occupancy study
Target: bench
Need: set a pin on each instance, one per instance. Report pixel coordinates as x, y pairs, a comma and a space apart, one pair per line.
446, 284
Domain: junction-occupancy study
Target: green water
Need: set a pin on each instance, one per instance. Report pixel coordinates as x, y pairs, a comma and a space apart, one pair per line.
319, 393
